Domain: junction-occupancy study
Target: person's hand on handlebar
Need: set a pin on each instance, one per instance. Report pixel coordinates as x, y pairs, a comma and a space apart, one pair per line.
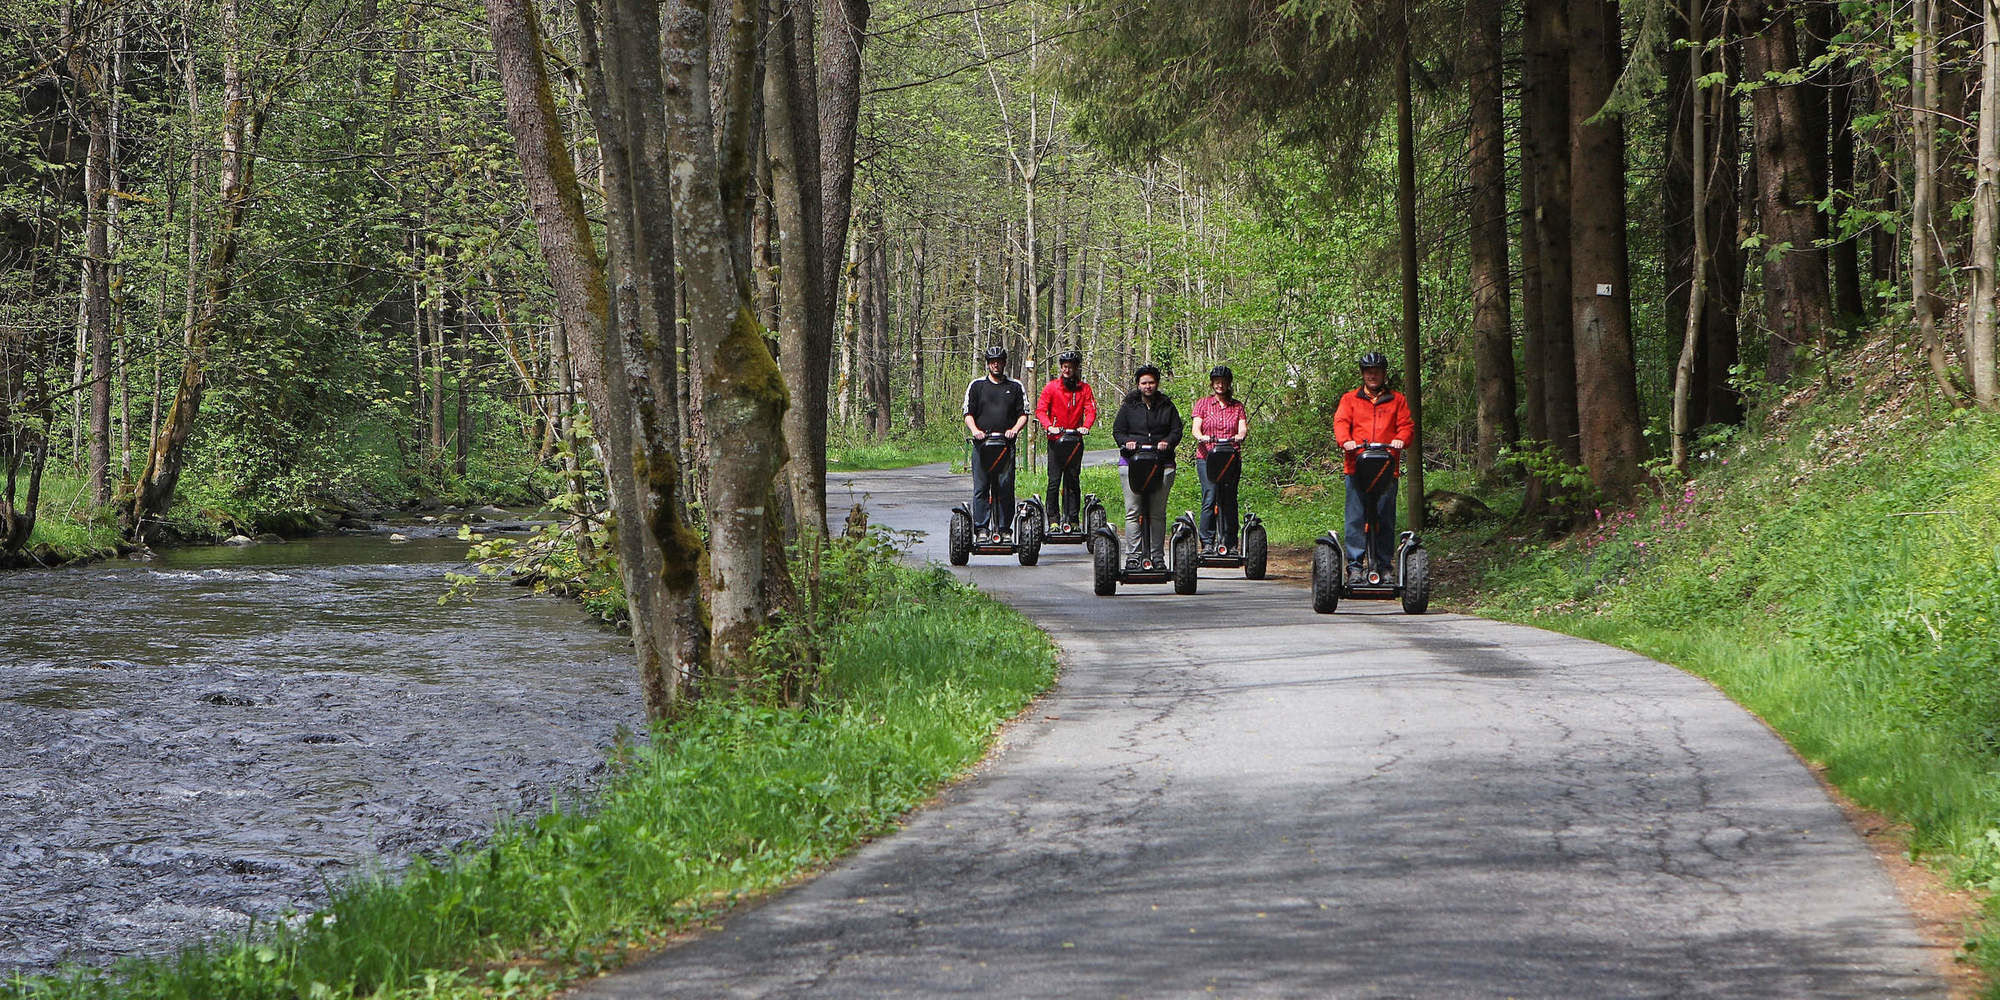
1131, 446
1162, 445
1009, 433
1396, 445
1349, 445
1053, 431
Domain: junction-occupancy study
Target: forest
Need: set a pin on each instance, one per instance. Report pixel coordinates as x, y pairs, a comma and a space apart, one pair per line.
668, 272
262, 258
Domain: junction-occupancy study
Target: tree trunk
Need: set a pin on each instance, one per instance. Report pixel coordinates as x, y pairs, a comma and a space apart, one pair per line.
659, 555
881, 402
791, 134
242, 120
1491, 304
1797, 308
743, 393
1848, 303
1713, 398
88, 66
1984, 304
1696, 113
1406, 224
1607, 395
1924, 243
1547, 160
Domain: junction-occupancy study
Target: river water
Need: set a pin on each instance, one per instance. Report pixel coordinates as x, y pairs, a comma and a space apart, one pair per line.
190, 743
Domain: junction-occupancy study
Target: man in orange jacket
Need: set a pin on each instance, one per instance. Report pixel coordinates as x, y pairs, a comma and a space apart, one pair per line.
1372, 414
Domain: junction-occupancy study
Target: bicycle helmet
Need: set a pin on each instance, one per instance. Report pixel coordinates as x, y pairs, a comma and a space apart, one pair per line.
1070, 358
1221, 372
1374, 359
996, 353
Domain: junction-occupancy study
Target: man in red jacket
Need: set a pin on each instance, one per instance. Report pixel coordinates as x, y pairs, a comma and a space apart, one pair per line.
1372, 414
1066, 404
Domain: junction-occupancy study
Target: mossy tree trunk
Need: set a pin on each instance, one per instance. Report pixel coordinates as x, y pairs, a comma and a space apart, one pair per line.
621, 343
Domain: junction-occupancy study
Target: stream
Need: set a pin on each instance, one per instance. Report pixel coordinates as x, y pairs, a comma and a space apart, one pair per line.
210, 738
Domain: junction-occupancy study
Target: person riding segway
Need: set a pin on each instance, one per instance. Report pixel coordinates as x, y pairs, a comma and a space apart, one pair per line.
995, 412
1147, 429
1067, 409
1372, 425
1221, 423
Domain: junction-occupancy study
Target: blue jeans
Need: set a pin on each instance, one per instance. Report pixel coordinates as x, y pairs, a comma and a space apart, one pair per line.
999, 477
1376, 510
1217, 499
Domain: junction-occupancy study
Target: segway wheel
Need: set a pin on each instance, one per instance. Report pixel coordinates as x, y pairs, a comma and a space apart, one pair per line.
1256, 549
1187, 563
960, 538
1326, 579
1417, 582
1028, 535
1096, 519
1103, 566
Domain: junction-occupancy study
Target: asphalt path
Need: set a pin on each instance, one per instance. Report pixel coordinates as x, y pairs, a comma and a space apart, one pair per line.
1229, 795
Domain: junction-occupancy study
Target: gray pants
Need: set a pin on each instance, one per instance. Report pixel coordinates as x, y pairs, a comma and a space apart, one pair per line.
1152, 508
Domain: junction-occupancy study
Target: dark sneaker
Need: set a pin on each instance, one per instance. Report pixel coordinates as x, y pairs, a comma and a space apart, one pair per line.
1356, 576
1133, 564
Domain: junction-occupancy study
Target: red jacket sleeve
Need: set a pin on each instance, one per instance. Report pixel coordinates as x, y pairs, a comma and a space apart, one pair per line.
1343, 421
1089, 406
1406, 426
1042, 415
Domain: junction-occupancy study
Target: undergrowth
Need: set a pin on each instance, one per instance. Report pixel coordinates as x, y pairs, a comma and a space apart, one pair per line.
735, 798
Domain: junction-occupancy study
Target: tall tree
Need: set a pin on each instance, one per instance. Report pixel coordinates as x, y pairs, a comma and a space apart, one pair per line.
1607, 395
1491, 306
1545, 158
1798, 311
1983, 305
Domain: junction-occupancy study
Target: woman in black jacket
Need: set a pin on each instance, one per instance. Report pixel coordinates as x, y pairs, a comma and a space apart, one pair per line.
1147, 430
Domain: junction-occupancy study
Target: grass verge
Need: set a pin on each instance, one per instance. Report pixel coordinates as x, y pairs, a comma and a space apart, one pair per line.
1840, 578
734, 799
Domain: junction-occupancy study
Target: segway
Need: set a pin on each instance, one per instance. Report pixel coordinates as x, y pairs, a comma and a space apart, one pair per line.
1108, 569
1026, 541
1093, 517
1412, 583
1225, 469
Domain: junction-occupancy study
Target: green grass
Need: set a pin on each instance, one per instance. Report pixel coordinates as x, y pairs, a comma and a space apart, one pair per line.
66, 521
891, 454
734, 799
1843, 582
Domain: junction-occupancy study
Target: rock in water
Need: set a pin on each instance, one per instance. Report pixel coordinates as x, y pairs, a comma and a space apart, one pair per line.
239, 540
398, 537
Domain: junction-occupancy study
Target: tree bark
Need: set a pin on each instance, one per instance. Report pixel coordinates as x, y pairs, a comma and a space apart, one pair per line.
1984, 303
1491, 304
1606, 380
1797, 307
805, 329
1547, 160
1406, 224
1697, 298
1924, 242
743, 393
659, 555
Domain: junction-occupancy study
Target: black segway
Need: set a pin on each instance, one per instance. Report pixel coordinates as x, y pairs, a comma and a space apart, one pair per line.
1108, 569
1412, 581
1070, 445
1225, 470
1026, 541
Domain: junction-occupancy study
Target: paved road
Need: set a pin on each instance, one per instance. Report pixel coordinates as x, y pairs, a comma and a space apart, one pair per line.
1229, 795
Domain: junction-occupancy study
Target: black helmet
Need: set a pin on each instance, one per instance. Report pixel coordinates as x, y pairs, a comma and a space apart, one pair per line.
1374, 359
1221, 372
996, 353
1145, 370
1069, 358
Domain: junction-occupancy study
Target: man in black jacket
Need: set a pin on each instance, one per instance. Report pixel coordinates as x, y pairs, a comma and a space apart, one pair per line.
1147, 430
995, 407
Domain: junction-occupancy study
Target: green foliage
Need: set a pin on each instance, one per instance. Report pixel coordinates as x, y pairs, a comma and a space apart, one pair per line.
736, 798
